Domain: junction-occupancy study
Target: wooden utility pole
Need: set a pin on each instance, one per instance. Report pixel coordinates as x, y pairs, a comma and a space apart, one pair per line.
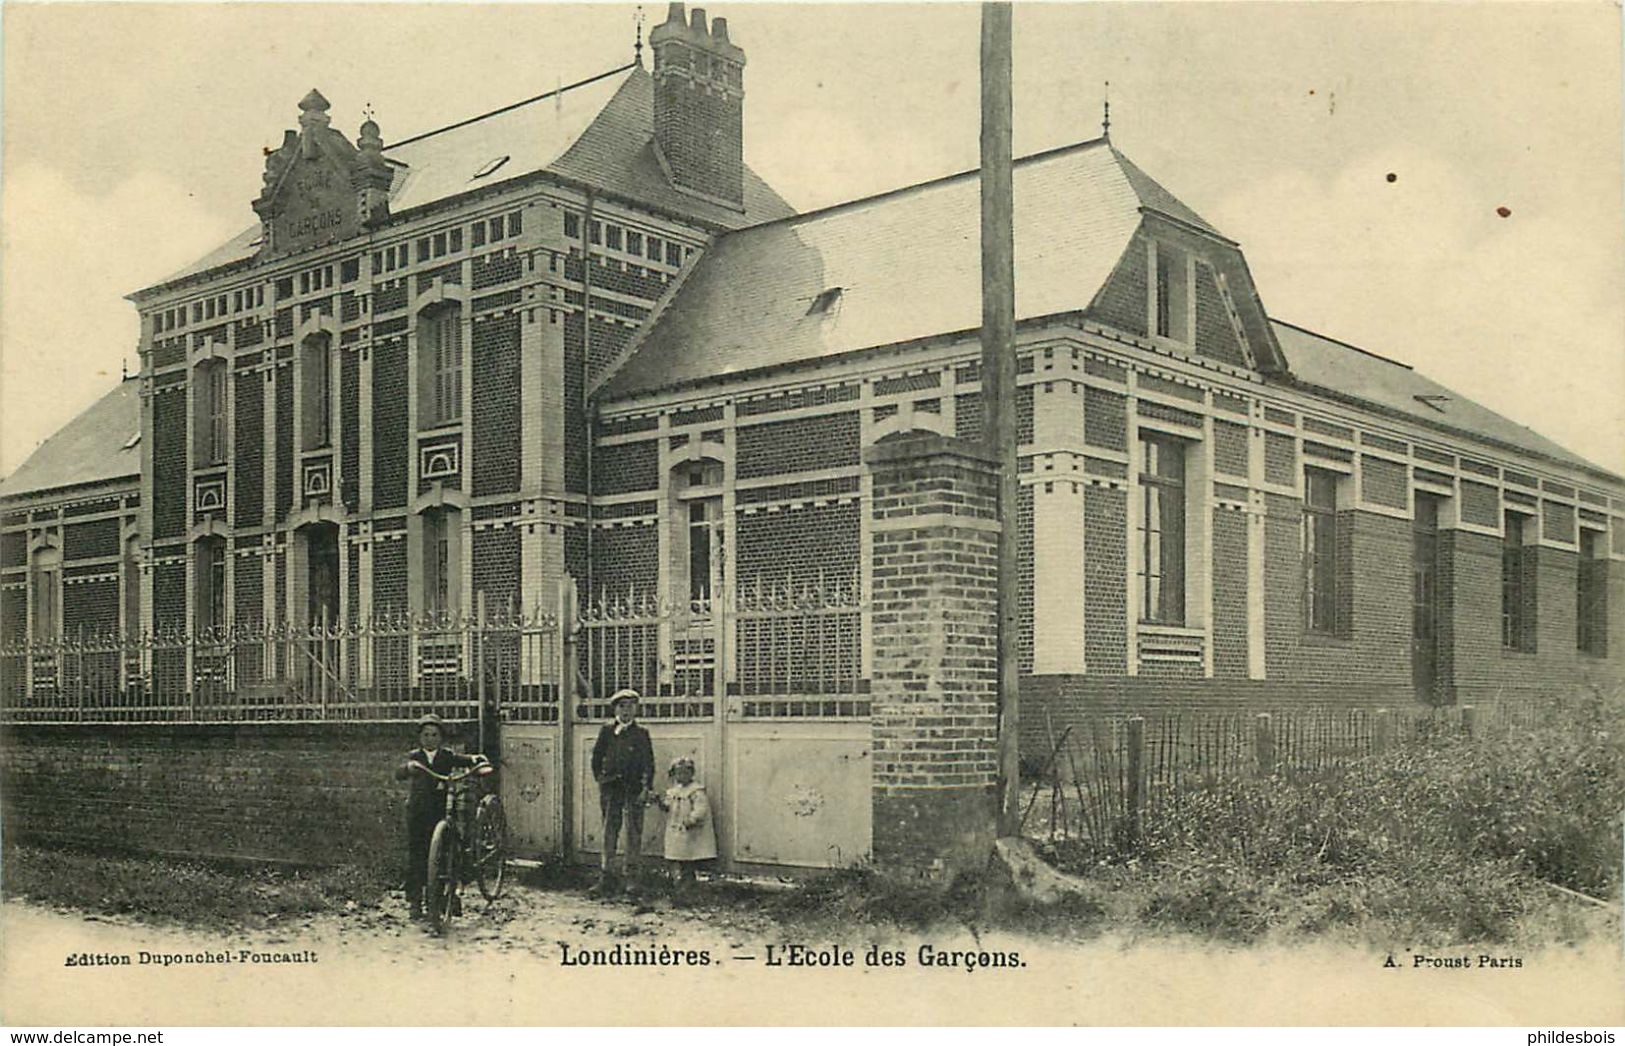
999, 379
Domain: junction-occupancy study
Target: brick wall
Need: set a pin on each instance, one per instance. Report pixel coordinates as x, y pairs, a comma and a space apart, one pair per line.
821, 442
798, 544
303, 793
1215, 334
935, 677
496, 568
284, 440
496, 403
1121, 303
1482, 667
169, 476
577, 429
248, 493
625, 558
1105, 585
389, 425
622, 468
1229, 594
91, 606
89, 540
350, 430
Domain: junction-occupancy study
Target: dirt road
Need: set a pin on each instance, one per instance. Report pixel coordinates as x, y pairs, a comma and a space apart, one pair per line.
515, 965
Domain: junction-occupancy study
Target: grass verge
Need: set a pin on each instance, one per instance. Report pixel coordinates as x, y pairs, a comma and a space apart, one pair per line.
187, 892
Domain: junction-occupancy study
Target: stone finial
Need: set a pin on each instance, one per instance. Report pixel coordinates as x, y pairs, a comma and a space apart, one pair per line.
371, 140
313, 110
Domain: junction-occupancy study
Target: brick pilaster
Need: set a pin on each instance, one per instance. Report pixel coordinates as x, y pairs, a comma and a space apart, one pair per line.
935, 672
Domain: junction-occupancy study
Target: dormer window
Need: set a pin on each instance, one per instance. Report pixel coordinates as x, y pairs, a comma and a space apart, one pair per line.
825, 301
1171, 294
490, 166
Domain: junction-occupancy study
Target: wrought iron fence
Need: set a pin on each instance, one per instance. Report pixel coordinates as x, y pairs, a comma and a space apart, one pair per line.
380, 669
779, 650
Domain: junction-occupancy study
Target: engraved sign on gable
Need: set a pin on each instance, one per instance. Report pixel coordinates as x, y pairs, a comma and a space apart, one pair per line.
315, 206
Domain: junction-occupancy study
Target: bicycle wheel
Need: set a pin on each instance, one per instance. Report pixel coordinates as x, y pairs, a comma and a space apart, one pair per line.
437, 888
490, 846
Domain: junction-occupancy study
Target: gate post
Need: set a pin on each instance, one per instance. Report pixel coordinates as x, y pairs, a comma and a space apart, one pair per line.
567, 702
934, 623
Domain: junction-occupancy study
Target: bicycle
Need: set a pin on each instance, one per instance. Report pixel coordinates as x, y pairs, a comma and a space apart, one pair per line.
457, 845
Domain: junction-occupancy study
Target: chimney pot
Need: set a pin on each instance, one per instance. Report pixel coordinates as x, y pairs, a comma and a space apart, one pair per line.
674, 13
719, 30
696, 21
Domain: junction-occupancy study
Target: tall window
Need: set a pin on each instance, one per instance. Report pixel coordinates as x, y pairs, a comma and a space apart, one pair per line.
1320, 550
704, 552
1173, 293
442, 394
438, 591
697, 552
209, 420
316, 410
47, 622
1517, 605
1162, 530
132, 590
1591, 592
211, 584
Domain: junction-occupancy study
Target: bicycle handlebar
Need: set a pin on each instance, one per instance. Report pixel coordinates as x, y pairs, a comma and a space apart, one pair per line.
479, 769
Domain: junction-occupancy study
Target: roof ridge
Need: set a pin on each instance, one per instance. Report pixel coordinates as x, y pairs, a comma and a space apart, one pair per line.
1042, 154
512, 106
1346, 345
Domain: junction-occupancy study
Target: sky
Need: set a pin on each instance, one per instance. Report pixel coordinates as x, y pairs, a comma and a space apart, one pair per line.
1362, 154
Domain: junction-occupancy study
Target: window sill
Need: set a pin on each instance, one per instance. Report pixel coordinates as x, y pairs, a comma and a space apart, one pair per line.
441, 428
1519, 655
1158, 629
1326, 639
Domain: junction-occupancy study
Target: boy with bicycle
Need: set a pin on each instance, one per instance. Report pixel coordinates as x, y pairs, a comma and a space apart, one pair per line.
426, 803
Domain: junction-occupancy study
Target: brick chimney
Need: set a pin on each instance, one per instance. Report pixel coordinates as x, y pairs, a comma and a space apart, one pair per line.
699, 106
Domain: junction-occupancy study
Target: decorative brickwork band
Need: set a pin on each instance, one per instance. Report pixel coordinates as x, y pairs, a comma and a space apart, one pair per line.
935, 673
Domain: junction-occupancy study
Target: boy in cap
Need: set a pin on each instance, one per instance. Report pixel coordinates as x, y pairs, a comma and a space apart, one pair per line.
623, 764
426, 802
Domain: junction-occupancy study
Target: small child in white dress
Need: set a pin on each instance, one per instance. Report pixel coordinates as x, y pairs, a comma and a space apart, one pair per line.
690, 837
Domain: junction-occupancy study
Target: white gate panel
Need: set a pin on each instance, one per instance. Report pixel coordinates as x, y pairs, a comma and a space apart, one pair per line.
800, 793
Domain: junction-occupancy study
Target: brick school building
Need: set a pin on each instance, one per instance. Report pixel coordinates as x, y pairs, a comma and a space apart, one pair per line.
493, 420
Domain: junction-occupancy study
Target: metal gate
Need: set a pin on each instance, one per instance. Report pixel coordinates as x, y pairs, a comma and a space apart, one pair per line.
767, 691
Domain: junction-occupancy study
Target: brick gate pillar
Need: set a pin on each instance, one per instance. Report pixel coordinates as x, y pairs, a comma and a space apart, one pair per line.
934, 677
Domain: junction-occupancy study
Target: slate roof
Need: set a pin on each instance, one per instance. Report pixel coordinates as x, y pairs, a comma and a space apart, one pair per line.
892, 268
93, 447
599, 131
1337, 369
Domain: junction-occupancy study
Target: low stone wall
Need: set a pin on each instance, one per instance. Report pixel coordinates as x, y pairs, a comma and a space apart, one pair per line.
302, 793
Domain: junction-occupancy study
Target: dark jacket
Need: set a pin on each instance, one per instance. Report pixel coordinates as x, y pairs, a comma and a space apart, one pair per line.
427, 799
627, 758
